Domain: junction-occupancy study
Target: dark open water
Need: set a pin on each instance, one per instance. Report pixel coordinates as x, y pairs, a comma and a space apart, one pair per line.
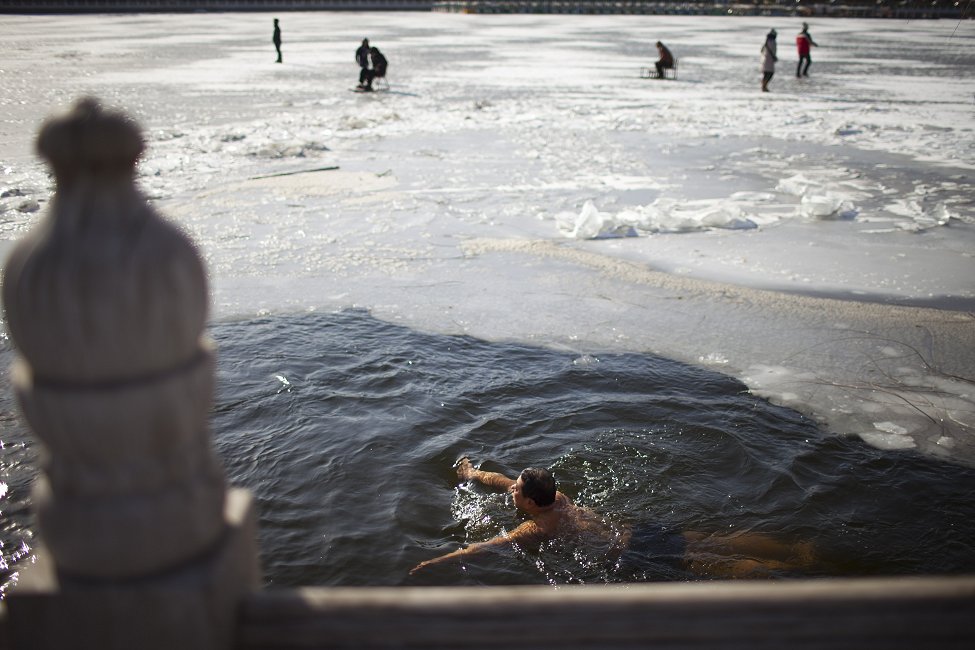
346, 429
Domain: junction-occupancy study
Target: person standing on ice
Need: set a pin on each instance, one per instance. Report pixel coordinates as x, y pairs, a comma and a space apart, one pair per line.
768, 60
362, 58
276, 39
803, 43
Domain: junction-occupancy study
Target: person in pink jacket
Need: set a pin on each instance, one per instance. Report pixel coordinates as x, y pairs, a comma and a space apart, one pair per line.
803, 43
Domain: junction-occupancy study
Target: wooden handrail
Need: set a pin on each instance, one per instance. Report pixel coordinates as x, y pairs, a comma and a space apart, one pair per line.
889, 613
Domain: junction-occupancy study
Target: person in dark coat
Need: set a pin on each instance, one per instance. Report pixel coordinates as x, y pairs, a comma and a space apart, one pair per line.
276, 39
377, 71
379, 64
768, 60
362, 58
666, 60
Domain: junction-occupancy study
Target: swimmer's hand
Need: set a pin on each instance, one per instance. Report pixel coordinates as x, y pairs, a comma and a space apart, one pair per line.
465, 471
437, 560
419, 567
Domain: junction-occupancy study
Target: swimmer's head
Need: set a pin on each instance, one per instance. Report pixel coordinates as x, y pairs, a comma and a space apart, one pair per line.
538, 485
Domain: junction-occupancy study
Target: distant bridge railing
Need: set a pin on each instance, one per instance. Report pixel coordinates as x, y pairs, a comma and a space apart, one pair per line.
109, 6
846, 9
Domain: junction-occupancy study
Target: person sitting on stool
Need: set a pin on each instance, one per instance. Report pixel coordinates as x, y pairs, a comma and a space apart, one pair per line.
666, 60
379, 64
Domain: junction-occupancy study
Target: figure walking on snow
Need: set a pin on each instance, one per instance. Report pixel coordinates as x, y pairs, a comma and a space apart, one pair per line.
276, 39
803, 43
768, 60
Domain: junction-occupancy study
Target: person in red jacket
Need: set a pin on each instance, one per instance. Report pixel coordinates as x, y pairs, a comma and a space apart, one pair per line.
803, 43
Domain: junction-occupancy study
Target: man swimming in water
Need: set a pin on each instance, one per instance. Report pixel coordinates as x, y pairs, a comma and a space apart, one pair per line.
552, 515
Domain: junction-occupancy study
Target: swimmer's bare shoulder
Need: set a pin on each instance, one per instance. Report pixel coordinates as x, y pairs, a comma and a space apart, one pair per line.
530, 534
553, 523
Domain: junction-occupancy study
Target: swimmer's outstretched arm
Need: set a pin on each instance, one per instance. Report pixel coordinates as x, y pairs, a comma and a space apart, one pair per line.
467, 472
468, 550
526, 533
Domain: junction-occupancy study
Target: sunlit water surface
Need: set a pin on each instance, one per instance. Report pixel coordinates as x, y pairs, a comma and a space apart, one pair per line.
346, 429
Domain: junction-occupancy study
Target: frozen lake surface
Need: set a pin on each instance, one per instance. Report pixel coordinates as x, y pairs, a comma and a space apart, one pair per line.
815, 242
463, 191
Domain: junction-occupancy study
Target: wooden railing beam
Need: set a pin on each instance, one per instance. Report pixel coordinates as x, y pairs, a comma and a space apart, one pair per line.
890, 613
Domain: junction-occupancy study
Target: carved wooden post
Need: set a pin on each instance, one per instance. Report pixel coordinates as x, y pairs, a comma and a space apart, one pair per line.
106, 303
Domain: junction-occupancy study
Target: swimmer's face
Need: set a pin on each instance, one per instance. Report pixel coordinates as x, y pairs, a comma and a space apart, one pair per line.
517, 493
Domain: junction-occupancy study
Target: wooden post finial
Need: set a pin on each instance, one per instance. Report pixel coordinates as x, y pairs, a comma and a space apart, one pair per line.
90, 139
106, 303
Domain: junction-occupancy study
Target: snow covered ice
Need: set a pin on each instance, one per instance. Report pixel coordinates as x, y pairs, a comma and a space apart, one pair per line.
520, 181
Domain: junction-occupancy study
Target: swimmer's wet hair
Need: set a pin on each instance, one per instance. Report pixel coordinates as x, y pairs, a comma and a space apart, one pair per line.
539, 486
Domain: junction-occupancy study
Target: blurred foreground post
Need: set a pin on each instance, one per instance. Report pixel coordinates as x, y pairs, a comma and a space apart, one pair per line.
141, 544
